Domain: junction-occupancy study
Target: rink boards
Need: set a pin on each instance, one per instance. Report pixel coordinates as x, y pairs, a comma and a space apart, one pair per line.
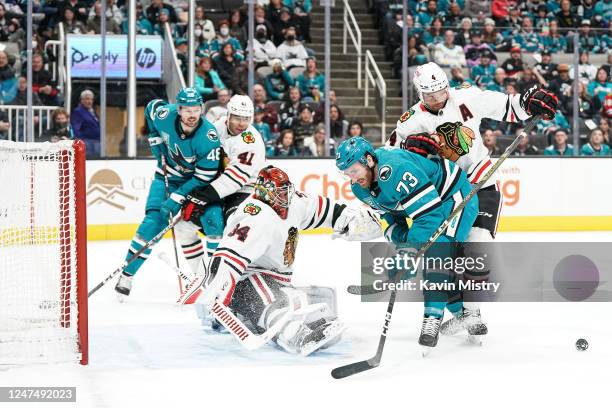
540, 194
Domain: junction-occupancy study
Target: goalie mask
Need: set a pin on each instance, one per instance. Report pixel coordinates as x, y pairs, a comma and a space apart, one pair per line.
274, 188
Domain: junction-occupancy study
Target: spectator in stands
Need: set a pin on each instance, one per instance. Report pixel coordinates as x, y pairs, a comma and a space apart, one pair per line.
541, 20
286, 21
483, 73
425, 17
490, 35
513, 22
546, 68
8, 81
606, 110
560, 147
604, 126
561, 85
314, 145
525, 148
435, 34
226, 63
60, 128
499, 81
16, 34
112, 12
477, 9
4, 125
260, 20
285, 145
80, 9
448, 53
264, 50
71, 24
596, 145
311, 82
528, 79
489, 138
204, 42
95, 22
156, 7
236, 27
603, 10
159, 28
454, 16
278, 82
565, 17
217, 112
206, 25
587, 39
182, 50
500, 10
143, 25
355, 128
513, 65
260, 99
304, 126
21, 98
301, 15
3, 24
554, 41
291, 51
289, 110
456, 77
261, 126
337, 124
223, 38
586, 70
207, 80
527, 38
601, 86
42, 82
275, 8
464, 35
476, 49
85, 123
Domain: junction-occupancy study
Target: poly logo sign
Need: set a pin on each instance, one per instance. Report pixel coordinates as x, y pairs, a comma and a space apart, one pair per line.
106, 188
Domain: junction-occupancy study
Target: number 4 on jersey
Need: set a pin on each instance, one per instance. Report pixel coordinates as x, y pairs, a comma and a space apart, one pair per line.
240, 232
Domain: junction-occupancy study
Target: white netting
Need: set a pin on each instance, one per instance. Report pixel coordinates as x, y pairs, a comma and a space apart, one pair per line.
38, 282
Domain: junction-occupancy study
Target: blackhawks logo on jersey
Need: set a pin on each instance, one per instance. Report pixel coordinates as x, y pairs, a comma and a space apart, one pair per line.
455, 140
406, 115
252, 209
290, 246
247, 137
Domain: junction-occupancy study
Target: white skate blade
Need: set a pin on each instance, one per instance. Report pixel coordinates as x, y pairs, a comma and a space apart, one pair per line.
331, 333
475, 340
121, 298
425, 351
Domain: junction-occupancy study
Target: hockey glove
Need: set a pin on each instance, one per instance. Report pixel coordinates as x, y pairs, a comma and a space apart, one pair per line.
193, 208
538, 101
171, 206
357, 225
422, 143
411, 265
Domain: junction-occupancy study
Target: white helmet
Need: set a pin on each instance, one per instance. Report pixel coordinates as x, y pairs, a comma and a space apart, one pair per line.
429, 78
240, 105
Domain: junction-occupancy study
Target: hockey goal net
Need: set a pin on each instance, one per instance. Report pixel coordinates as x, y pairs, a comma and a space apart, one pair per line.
43, 238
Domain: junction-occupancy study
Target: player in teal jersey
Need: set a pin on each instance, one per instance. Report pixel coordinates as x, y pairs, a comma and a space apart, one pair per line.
188, 145
403, 184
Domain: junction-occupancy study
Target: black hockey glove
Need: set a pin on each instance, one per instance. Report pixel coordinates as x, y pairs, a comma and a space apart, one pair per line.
421, 143
193, 209
538, 101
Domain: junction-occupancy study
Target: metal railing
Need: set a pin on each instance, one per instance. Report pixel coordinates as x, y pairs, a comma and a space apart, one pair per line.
377, 82
17, 120
353, 30
57, 67
172, 74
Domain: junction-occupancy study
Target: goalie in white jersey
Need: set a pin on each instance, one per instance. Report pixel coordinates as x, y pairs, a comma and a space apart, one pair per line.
244, 155
252, 268
446, 122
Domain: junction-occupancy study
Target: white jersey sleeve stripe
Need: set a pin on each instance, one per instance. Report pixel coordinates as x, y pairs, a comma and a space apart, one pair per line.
417, 197
428, 206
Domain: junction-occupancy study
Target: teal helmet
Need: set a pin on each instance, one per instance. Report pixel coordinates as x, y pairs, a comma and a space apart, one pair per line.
353, 150
188, 97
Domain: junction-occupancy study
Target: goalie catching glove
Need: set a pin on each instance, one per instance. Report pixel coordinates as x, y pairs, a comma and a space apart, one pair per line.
357, 225
537, 101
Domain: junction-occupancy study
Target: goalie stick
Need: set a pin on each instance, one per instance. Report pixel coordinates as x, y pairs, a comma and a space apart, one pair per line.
131, 259
232, 323
167, 188
369, 289
373, 362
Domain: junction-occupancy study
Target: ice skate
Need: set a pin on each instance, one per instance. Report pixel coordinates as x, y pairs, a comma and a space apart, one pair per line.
124, 286
429, 333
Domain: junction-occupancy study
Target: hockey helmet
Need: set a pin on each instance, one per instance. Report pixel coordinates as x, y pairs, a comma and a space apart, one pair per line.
274, 188
353, 150
152, 107
429, 78
240, 105
189, 97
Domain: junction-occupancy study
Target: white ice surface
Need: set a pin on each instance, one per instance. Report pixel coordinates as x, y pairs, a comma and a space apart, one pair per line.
150, 353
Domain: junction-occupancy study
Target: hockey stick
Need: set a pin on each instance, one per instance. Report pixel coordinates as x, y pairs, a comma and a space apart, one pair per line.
360, 366
369, 289
228, 319
179, 272
176, 258
131, 259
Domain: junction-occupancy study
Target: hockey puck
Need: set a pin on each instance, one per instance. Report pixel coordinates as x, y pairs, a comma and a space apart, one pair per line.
582, 344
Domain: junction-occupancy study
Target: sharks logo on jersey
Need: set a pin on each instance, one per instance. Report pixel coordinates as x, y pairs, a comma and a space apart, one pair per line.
182, 162
384, 173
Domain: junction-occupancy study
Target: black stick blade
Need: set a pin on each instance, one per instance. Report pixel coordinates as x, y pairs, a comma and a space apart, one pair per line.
353, 368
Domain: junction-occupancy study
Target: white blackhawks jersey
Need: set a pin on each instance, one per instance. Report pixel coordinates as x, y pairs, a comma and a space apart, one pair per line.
247, 156
258, 239
467, 105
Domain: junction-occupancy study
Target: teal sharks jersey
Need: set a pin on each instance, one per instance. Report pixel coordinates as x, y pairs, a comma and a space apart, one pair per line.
409, 185
192, 160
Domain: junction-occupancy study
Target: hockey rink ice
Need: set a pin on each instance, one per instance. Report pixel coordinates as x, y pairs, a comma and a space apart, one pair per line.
148, 352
